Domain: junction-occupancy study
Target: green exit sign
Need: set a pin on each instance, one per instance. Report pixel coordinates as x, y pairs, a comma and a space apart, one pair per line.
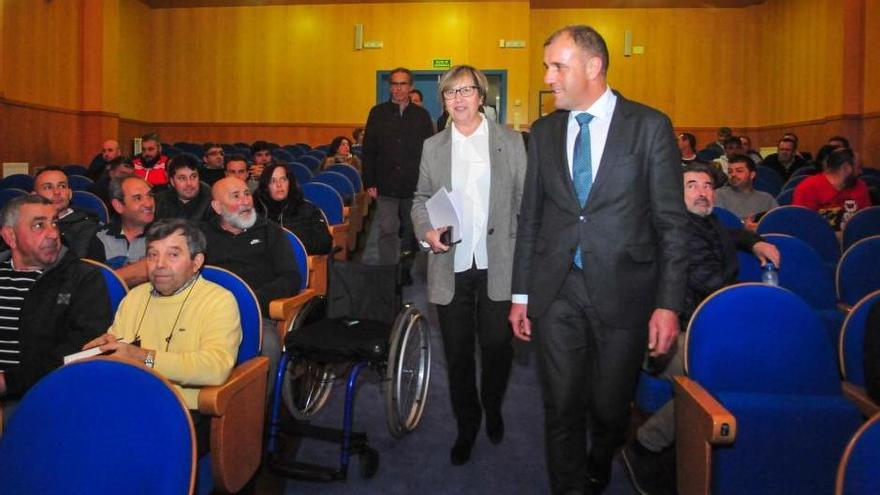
442, 63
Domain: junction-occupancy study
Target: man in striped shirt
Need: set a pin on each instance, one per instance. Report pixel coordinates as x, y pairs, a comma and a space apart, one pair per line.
51, 303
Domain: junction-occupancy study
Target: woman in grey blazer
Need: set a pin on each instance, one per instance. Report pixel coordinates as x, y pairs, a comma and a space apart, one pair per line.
469, 281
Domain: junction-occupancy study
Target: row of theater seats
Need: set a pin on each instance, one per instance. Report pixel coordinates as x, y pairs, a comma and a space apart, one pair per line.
75, 430
762, 408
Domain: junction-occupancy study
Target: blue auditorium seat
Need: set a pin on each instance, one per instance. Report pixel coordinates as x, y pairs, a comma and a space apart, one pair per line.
864, 223
858, 473
858, 272
806, 225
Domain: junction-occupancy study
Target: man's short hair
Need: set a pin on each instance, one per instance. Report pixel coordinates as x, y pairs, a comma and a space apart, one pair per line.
822, 154
701, 168
235, 158
454, 73
151, 136
195, 239
183, 160
842, 139
838, 158
118, 162
690, 138
207, 146
260, 146
788, 140
48, 168
743, 159
724, 132
114, 190
732, 140
418, 92
401, 70
587, 39
357, 133
12, 209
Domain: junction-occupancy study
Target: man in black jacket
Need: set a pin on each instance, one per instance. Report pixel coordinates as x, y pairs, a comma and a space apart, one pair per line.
391, 155
188, 197
53, 303
78, 226
712, 264
253, 248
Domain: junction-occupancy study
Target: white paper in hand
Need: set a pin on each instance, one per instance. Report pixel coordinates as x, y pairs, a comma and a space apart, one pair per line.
444, 210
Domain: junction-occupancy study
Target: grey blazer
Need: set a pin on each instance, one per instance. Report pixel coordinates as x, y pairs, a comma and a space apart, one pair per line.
507, 162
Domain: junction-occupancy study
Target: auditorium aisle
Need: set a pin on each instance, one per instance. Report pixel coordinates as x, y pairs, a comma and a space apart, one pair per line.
419, 463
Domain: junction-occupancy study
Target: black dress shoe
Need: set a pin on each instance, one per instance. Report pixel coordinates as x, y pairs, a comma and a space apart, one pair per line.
461, 451
495, 429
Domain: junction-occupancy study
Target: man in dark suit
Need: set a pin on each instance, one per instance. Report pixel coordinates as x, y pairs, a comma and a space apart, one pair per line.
600, 259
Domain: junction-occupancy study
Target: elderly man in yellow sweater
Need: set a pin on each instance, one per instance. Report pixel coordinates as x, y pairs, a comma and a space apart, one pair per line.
184, 327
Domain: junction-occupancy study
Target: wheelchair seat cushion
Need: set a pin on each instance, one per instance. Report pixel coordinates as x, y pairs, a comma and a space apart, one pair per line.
341, 340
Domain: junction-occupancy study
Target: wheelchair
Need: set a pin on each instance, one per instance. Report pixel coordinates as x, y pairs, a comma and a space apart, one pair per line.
359, 324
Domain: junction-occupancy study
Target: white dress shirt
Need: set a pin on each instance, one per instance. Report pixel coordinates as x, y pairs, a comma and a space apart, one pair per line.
602, 110
470, 177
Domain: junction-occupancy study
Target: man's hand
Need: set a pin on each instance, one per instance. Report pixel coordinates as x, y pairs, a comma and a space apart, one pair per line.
373, 192
519, 321
432, 237
100, 340
662, 331
257, 170
750, 224
128, 351
765, 252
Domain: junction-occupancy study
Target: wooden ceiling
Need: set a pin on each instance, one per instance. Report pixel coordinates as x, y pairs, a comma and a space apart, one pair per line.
535, 4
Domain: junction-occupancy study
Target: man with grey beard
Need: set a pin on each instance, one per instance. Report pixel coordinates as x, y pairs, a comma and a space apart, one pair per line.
712, 264
253, 248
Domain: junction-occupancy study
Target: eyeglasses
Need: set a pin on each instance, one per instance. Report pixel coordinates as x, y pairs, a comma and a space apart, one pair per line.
464, 91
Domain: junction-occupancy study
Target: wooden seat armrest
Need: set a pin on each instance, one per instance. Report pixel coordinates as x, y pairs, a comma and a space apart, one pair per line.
844, 307
716, 424
281, 309
214, 400
318, 272
700, 422
859, 397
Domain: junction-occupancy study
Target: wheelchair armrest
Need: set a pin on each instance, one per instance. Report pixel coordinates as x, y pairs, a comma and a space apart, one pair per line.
857, 396
215, 400
844, 307
700, 422
284, 309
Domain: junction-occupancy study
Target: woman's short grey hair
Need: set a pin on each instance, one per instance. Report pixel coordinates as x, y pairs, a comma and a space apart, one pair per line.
449, 78
195, 239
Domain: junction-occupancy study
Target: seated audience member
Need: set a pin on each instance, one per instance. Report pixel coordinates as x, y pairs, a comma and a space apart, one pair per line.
237, 167
213, 163
837, 193
262, 152
281, 200
872, 353
118, 167
53, 303
151, 164
184, 327
416, 97
122, 242
340, 152
748, 150
838, 142
687, 145
77, 226
740, 196
358, 141
188, 197
732, 146
712, 265
786, 159
98, 168
253, 248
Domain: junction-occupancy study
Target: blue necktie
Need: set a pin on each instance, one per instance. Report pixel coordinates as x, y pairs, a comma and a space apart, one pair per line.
582, 169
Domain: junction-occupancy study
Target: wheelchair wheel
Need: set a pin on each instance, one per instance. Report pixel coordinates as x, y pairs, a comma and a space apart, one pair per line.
307, 385
408, 372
